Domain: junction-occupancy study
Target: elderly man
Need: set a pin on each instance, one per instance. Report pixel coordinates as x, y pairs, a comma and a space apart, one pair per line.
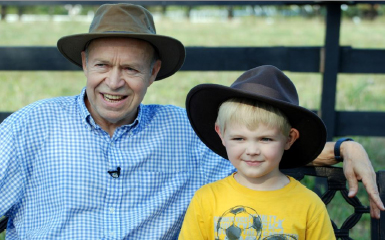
101, 165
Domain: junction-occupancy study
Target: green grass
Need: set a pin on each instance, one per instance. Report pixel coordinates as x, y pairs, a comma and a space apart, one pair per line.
355, 92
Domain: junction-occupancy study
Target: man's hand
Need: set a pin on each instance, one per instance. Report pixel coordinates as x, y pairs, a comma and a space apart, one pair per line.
357, 166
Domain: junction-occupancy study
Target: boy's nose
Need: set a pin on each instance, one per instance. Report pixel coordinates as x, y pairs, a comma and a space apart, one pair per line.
253, 149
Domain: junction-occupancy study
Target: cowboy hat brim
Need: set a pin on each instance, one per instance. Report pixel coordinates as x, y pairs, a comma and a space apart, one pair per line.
170, 50
202, 106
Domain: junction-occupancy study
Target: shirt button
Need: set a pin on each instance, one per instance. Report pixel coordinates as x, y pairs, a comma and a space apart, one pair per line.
112, 234
112, 210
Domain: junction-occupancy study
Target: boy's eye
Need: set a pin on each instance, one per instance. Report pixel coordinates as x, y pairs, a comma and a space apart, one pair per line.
238, 139
266, 139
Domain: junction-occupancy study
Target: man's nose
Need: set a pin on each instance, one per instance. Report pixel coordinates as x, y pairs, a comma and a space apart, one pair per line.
115, 80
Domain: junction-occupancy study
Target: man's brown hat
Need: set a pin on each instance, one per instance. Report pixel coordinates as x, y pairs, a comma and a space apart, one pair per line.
129, 21
266, 84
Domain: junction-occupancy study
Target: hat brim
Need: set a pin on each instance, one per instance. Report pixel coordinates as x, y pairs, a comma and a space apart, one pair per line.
202, 106
171, 51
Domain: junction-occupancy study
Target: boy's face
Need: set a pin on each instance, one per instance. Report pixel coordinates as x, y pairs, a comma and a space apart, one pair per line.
256, 154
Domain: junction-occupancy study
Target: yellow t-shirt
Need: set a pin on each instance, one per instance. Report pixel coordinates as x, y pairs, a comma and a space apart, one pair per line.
226, 210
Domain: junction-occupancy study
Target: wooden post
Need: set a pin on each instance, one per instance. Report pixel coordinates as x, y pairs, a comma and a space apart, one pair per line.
188, 11
331, 66
20, 12
3, 12
230, 12
164, 10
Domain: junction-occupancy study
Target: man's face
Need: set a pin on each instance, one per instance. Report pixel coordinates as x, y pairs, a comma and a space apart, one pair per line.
118, 72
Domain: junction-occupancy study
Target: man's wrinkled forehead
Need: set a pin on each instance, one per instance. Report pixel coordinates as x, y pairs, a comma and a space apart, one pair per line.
116, 41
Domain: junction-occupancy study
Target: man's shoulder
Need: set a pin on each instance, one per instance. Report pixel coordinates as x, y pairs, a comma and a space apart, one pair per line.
43, 109
163, 108
55, 103
166, 113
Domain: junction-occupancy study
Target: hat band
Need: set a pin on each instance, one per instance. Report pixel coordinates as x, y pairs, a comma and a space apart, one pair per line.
125, 32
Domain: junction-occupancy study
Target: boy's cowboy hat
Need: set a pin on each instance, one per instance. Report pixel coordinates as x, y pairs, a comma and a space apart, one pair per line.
130, 21
266, 84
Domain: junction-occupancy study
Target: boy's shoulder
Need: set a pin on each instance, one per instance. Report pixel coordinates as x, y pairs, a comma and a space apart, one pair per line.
216, 187
300, 191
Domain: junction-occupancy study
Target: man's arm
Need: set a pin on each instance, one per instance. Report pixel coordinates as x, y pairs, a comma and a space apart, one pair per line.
357, 166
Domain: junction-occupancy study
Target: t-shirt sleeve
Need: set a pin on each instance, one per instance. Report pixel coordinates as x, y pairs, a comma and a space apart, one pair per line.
195, 226
319, 224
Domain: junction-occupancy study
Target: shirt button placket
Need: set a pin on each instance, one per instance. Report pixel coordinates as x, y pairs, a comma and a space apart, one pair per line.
112, 219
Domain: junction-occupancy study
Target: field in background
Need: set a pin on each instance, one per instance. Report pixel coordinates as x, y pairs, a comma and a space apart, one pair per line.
355, 92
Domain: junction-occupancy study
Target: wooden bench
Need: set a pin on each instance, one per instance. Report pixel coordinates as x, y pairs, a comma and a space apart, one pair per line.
336, 182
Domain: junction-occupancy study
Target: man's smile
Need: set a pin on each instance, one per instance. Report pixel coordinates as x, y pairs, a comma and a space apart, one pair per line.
113, 98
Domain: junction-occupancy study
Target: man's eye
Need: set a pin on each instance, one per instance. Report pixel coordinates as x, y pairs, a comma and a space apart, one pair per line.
130, 69
101, 65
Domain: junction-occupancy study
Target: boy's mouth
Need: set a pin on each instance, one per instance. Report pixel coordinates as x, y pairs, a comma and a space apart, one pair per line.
253, 162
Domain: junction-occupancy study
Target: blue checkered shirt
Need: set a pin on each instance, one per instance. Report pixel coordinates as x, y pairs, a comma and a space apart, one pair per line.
54, 179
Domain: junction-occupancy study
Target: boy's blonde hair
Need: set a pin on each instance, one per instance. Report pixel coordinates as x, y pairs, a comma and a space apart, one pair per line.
251, 113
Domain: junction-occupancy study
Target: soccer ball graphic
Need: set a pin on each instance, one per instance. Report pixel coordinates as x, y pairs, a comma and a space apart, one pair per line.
239, 222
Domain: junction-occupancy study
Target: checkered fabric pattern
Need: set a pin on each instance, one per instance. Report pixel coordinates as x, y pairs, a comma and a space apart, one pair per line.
54, 179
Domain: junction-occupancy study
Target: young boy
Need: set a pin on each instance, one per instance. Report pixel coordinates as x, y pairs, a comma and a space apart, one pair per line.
261, 128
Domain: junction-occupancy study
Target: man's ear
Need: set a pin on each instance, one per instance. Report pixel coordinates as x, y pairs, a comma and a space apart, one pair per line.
218, 130
293, 136
84, 61
154, 71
